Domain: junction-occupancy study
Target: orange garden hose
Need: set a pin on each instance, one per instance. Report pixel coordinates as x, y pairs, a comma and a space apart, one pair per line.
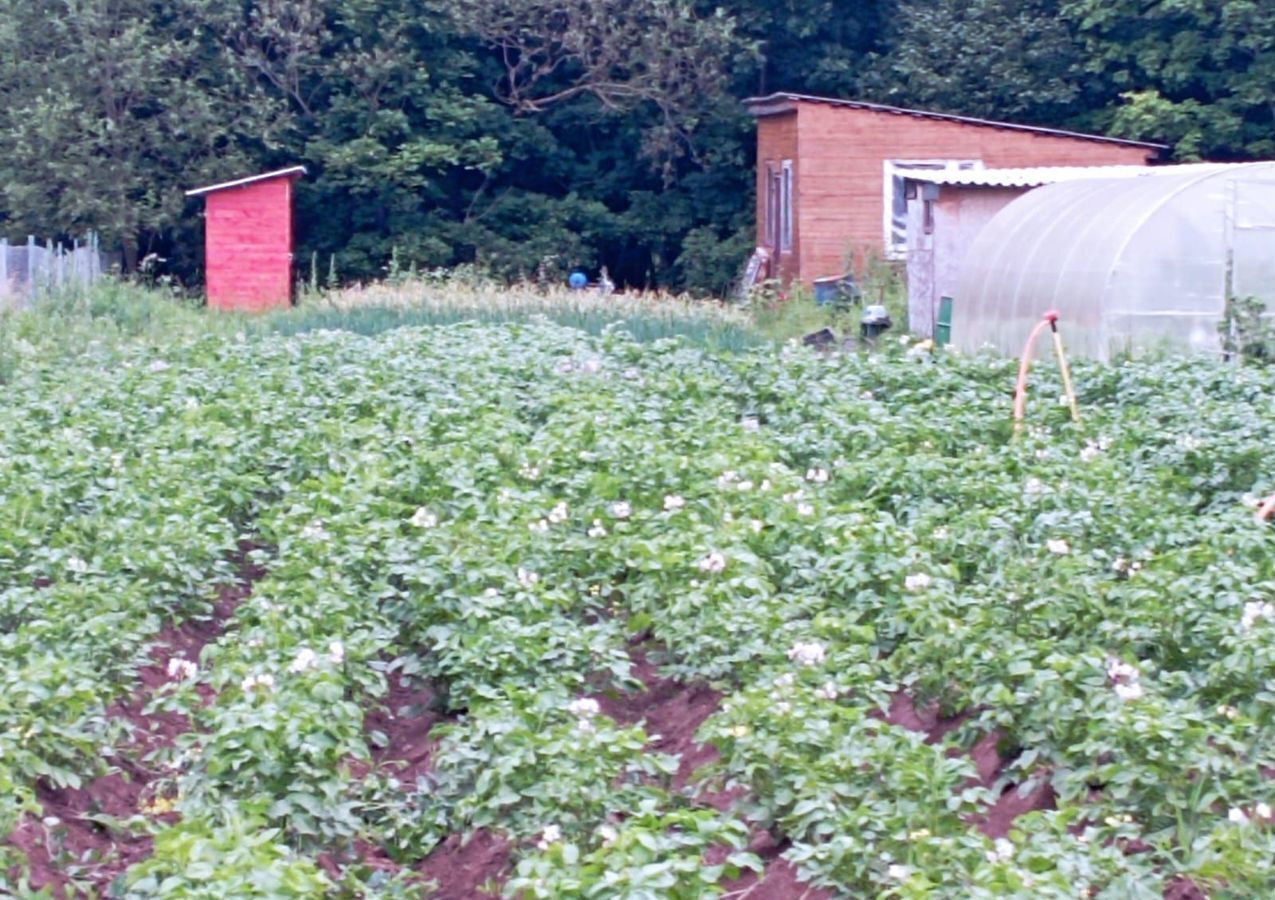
1050, 320
1020, 392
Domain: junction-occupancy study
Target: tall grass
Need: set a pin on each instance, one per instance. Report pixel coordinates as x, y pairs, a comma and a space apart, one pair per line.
101, 317
112, 312
445, 301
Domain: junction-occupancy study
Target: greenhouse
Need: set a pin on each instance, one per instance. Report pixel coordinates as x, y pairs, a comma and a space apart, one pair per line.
1130, 263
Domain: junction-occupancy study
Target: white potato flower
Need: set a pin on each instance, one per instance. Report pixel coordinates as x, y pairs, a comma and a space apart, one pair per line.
1119, 670
263, 683
314, 531
597, 530
1255, 610
423, 518
584, 707
1128, 692
182, 669
305, 660
714, 562
550, 834
807, 653
1058, 546
917, 581
673, 502
818, 476
336, 652
621, 509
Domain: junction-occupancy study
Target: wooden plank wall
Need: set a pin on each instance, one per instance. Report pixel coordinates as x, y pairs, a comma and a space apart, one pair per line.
776, 142
248, 241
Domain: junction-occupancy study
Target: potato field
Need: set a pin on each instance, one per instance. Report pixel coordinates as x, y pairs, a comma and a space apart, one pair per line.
512, 610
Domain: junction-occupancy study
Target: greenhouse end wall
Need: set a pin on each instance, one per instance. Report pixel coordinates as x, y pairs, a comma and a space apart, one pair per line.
1131, 264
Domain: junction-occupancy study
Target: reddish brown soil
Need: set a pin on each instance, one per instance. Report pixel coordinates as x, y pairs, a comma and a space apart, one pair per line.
461, 868
671, 713
778, 880
996, 819
65, 846
1180, 887
404, 718
369, 856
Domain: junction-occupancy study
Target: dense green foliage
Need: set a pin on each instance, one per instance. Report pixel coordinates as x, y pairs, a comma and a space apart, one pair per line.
532, 136
503, 510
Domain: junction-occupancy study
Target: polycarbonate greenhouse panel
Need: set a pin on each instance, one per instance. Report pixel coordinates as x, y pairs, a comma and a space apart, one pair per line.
1253, 237
1130, 263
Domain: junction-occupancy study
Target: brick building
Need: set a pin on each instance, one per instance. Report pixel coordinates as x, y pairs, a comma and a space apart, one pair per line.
831, 173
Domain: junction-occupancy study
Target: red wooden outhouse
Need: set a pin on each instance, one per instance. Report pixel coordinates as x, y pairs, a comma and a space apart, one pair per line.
248, 240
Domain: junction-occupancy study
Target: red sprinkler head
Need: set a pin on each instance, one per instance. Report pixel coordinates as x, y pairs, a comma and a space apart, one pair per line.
1051, 316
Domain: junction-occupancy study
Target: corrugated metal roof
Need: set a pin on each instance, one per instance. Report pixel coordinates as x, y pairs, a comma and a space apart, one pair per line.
1034, 176
291, 171
783, 102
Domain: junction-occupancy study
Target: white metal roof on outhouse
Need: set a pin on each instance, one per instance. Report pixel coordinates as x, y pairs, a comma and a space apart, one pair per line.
1131, 263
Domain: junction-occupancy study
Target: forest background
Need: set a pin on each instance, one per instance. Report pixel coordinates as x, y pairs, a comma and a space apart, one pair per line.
535, 136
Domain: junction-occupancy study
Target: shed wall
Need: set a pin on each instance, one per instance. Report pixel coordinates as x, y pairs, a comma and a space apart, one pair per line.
841, 179
248, 246
934, 260
776, 142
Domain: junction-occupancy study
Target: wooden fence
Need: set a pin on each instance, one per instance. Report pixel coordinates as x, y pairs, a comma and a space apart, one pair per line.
30, 270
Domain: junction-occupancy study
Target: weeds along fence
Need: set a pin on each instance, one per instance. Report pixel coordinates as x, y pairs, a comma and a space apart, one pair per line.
32, 270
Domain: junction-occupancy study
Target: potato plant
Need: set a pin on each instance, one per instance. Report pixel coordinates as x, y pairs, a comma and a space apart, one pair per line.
508, 517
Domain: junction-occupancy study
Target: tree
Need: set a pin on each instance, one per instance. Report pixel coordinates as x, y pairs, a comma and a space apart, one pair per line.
381, 101
809, 46
1016, 60
623, 53
1196, 73
107, 107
